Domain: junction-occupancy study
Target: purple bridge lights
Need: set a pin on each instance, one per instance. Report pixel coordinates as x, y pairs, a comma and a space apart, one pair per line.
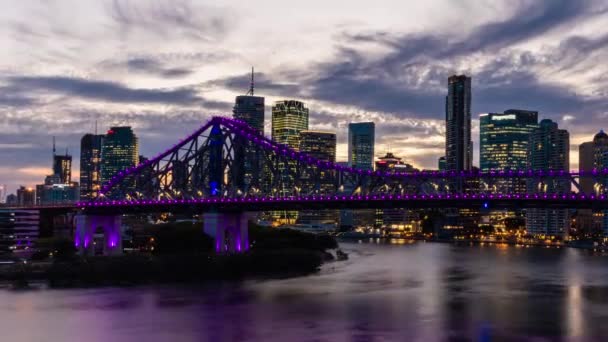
226, 169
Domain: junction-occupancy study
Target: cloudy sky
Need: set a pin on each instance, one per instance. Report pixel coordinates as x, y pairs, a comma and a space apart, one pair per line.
165, 66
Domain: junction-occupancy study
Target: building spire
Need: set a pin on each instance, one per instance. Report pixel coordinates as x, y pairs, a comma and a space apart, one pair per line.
251, 86
54, 150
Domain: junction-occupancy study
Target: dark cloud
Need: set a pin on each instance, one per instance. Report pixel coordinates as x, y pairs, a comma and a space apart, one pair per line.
166, 18
102, 90
263, 85
152, 66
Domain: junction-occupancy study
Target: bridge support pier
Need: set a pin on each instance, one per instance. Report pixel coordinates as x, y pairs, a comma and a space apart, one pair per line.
86, 225
230, 231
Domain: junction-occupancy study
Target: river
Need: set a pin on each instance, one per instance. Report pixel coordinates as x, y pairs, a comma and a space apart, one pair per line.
410, 292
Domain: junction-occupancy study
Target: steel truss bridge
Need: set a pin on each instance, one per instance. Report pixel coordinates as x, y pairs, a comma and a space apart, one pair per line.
226, 169
229, 162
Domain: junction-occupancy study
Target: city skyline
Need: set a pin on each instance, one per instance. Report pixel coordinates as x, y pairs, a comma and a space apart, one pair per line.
162, 92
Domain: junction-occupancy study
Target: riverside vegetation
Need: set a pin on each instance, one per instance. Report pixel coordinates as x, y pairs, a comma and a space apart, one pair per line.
182, 253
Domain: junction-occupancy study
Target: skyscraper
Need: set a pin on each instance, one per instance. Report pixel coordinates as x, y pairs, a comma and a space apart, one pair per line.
289, 118
62, 167
361, 141
458, 147
250, 109
119, 151
504, 144
322, 146
90, 165
548, 149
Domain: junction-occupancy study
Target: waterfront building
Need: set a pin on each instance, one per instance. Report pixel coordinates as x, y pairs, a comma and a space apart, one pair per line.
321, 146
548, 149
18, 229
503, 146
593, 156
90, 165
289, 119
120, 150
361, 141
400, 220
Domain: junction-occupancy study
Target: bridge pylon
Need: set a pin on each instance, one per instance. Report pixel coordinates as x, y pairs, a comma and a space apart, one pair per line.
230, 231
86, 227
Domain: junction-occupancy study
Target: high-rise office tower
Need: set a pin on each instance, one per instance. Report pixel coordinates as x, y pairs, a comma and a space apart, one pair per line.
593, 155
119, 151
361, 140
458, 146
504, 144
289, 118
322, 146
548, 149
62, 167
361, 147
250, 108
248, 158
90, 165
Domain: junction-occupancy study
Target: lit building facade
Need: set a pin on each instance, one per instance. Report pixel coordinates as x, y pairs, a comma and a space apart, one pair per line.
321, 146
120, 150
503, 139
62, 167
26, 196
90, 165
361, 142
548, 149
289, 118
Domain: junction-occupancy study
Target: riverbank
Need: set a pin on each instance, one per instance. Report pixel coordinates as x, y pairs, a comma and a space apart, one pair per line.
181, 253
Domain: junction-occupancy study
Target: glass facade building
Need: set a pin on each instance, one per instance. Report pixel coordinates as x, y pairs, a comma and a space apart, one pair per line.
548, 149
322, 146
503, 145
119, 151
459, 147
361, 141
62, 167
251, 110
90, 165
289, 118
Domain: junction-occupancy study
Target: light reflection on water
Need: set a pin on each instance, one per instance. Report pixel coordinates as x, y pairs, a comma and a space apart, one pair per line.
414, 292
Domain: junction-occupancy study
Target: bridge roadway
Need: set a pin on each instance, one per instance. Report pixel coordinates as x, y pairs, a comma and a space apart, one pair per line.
494, 201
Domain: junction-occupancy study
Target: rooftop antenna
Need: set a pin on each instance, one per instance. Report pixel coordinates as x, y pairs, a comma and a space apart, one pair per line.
54, 150
95, 127
251, 86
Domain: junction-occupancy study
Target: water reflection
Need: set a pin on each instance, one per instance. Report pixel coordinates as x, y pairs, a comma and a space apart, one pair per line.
417, 292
